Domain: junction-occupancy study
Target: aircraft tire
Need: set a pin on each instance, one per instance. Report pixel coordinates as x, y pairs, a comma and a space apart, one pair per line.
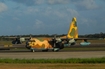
32, 50
45, 50
55, 50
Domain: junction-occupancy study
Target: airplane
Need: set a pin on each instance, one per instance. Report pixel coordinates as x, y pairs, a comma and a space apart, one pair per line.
55, 43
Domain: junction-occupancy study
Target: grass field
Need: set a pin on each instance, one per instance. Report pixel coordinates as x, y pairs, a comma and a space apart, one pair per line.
69, 60
95, 63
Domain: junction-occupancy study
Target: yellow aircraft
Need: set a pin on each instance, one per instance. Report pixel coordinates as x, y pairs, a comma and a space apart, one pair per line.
56, 43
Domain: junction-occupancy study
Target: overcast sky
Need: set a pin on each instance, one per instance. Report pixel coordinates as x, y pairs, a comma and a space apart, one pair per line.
20, 17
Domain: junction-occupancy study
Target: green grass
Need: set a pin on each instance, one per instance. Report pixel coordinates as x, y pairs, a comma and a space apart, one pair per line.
71, 60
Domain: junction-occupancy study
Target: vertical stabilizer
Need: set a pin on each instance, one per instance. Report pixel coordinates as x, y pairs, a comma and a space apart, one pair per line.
73, 30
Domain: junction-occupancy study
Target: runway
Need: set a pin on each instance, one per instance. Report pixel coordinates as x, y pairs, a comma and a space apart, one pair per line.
91, 51
52, 55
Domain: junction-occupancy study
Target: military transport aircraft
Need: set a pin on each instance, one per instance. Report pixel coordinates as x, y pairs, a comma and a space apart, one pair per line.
56, 43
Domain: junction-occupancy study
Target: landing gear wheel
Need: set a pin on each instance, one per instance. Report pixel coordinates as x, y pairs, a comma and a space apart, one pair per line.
32, 50
55, 50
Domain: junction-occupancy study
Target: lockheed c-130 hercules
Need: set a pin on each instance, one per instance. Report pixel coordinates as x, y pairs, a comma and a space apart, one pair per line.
56, 43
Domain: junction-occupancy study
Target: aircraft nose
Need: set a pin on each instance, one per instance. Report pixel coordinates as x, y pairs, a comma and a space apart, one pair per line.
27, 45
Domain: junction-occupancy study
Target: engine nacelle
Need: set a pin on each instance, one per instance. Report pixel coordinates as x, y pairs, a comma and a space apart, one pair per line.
57, 43
85, 43
72, 42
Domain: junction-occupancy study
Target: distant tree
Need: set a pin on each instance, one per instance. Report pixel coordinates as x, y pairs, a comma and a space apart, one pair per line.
102, 35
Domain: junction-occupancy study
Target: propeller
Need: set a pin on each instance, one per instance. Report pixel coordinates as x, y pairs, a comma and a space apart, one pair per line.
54, 40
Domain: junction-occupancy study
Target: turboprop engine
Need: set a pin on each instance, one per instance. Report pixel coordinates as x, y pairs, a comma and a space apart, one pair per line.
69, 42
57, 43
72, 42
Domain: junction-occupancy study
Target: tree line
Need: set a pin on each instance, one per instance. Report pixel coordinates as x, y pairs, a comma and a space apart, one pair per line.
96, 35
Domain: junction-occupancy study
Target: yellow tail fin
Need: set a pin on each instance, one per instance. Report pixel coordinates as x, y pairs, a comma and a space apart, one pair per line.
73, 30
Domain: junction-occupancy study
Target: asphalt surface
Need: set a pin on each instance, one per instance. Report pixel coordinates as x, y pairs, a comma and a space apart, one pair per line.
26, 54
51, 55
